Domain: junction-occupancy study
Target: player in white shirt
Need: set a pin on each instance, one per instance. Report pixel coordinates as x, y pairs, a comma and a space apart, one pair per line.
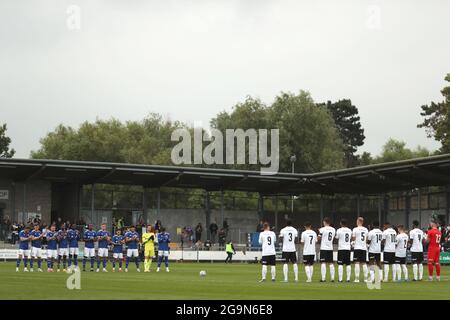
267, 239
344, 237
359, 236
389, 240
309, 240
417, 238
289, 253
400, 253
326, 237
374, 238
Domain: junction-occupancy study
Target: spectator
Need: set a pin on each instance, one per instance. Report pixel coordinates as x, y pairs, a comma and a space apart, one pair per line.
260, 226
157, 226
222, 237
198, 232
213, 230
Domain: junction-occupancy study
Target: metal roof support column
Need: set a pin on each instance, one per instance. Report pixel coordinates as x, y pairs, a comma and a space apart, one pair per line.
447, 204
276, 213
221, 208
358, 206
208, 214
386, 209
260, 206
321, 207
145, 206
92, 202
158, 204
379, 208
24, 201
419, 206
407, 208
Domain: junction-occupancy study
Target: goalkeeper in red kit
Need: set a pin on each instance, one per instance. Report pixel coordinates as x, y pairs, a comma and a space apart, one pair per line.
434, 251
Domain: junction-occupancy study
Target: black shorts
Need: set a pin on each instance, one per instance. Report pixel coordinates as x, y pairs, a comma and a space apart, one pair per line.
399, 260
268, 260
416, 257
360, 255
374, 257
326, 256
343, 257
389, 257
289, 257
309, 259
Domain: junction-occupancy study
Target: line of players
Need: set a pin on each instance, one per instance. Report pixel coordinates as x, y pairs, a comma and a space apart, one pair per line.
63, 246
364, 243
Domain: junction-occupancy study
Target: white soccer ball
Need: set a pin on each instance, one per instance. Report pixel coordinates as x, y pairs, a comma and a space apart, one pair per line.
202, 273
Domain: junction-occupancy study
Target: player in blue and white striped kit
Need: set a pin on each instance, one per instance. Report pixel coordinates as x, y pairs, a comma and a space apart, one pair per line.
24, 249
163, 248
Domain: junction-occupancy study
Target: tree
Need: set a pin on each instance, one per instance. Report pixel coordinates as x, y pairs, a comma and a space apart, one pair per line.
395, 150
347, 121
146, 142
305, 129
5, 141
437, 119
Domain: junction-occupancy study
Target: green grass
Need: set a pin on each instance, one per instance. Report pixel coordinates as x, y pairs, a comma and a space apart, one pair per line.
236, 281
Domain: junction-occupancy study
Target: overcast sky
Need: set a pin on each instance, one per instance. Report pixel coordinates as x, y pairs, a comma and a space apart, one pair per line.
190, 59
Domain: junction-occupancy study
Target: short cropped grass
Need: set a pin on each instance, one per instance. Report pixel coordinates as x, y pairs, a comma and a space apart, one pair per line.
234, 281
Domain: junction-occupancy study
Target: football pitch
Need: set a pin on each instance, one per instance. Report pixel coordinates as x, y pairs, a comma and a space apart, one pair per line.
237, 281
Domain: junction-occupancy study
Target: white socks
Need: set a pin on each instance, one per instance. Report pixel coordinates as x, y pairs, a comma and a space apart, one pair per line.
323, 271
264, 272
295, 271
420, 271
285, 271
366, 271
386, 273
357, 271
349, 272
309, 272
332, 272
405, 271
273, 271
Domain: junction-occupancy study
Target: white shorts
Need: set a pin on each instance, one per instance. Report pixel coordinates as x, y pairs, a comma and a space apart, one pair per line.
52, 253
89, 252
36, 252
117, 255
132, 253
102, 252
63, 252
74, 251
25, 253
164, 253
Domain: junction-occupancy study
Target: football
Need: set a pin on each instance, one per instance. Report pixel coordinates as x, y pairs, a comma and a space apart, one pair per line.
202, 273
